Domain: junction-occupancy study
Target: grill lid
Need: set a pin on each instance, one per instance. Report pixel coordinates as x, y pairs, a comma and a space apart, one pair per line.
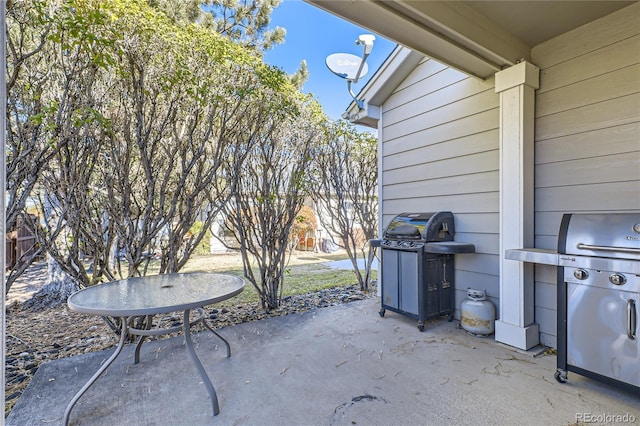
613, 235
426, 227
404, 231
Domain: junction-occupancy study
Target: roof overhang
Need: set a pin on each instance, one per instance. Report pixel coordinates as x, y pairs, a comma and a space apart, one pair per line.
476, 37
450, 32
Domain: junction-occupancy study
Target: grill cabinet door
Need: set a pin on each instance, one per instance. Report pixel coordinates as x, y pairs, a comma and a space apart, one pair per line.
390, 278
597, 332
400, 280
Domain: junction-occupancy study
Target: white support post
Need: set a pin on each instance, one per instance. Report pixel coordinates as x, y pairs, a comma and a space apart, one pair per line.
516, 86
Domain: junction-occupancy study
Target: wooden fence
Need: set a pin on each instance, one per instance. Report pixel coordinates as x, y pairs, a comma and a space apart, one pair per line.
20, 244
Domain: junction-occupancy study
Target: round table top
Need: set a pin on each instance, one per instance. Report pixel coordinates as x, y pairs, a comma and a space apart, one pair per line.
155, 294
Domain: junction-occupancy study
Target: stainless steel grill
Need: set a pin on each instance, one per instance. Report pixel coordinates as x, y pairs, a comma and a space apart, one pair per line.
599, 298
417, 265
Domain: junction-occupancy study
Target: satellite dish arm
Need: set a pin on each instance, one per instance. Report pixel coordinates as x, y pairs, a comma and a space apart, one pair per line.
358, 102
362, 62
367, 41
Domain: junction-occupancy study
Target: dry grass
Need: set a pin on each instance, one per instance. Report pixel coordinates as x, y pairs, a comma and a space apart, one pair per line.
305, 273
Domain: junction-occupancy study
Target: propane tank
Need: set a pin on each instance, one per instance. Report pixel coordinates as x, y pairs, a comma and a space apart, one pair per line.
477, 314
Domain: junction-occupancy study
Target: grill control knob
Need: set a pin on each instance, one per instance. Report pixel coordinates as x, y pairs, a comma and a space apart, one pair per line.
581, 274
617, 279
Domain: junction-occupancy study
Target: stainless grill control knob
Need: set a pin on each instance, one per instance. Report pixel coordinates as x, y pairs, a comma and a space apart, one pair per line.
581, 274
617, 279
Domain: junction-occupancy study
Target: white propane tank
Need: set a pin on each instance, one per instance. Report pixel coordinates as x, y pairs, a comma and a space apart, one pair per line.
477, 314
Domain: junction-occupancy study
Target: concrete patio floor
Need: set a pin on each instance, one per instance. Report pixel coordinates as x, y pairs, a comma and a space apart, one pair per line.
343, 365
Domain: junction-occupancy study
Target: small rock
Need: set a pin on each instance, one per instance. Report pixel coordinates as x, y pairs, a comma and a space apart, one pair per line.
13, 396
20, 378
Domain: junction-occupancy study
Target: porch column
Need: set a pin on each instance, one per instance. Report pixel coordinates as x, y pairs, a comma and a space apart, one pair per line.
516, 86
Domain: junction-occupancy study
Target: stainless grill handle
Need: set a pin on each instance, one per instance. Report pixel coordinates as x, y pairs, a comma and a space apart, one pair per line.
631, 319
608, 248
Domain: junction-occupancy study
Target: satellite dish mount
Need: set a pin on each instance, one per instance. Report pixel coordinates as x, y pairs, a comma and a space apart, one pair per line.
351, 67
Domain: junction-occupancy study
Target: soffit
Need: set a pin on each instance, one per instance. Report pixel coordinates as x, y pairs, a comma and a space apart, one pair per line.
535, 22
476, 37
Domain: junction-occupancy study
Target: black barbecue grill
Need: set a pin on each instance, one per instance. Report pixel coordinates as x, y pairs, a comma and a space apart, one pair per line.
417, 265
599, 298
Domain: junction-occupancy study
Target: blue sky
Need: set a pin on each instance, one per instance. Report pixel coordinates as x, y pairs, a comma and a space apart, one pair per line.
312, 35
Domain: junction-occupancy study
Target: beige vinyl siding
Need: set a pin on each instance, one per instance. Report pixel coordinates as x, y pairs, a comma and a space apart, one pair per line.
587, 130
440, 152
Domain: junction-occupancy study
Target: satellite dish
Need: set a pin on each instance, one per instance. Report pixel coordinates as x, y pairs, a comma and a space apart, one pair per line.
351, 67
346, 65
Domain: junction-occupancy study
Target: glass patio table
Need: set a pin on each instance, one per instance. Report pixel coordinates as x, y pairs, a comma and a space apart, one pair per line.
132, 298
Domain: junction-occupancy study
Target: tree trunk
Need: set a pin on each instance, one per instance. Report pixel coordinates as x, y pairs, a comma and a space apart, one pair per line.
59, 286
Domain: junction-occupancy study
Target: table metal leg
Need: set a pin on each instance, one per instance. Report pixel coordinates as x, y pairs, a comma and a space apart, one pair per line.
136, 357
204, 321
205, 378
123, 338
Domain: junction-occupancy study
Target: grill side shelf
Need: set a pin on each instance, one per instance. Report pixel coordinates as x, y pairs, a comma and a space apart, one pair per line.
533, 255
449, 247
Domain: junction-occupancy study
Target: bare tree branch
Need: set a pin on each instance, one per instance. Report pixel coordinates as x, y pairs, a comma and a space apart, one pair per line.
345, 191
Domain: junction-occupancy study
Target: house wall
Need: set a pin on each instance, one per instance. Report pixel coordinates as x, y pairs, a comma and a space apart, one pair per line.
439, 148
439, 151
587, 135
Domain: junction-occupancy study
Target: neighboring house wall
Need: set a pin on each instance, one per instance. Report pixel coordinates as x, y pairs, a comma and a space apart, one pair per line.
587, 149
440, 152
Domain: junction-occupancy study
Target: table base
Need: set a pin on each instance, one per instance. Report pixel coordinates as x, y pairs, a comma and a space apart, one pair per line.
126, 330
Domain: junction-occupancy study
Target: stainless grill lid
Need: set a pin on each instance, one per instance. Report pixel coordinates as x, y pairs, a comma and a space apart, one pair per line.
612, 235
